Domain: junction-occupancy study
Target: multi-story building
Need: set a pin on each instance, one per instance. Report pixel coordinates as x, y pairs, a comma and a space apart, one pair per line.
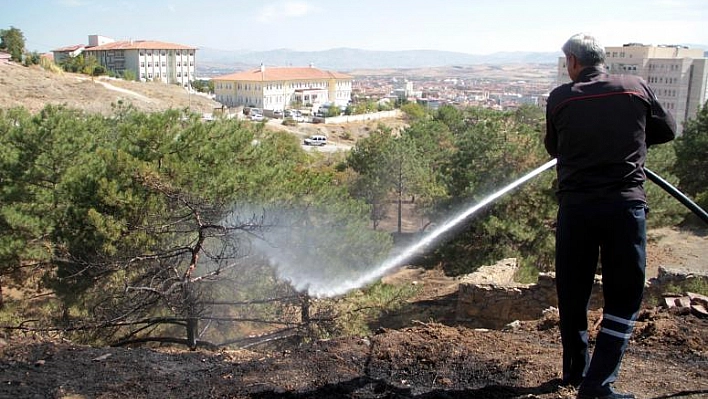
283, 87
678, 75
149, 60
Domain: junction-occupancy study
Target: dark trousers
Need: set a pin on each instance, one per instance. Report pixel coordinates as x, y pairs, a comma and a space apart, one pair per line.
617, 234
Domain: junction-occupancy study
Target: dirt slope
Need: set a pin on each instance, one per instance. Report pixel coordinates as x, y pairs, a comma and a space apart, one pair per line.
34, 87
667, 358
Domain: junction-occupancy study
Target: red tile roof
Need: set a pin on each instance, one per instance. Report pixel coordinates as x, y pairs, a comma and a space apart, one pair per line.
274, 74
140, 45
69, 48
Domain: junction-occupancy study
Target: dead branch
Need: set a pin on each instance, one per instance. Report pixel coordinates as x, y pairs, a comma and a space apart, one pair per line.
261, 339
253, 302
171, 340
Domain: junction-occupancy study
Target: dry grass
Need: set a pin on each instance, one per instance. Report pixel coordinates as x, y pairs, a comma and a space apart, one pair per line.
34, 87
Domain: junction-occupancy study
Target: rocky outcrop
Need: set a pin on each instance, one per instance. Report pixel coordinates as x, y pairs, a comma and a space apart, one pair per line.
668, 284
489, 298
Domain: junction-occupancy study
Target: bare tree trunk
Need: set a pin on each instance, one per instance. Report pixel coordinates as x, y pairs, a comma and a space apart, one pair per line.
192, 332
400, 212
400, 202
305, 309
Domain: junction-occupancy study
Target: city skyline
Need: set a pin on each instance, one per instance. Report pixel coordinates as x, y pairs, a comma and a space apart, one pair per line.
472, 27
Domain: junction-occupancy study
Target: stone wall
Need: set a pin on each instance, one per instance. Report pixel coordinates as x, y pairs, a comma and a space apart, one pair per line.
489, 298
359, 117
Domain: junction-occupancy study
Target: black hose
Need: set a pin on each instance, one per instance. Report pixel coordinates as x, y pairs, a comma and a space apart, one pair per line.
700, 212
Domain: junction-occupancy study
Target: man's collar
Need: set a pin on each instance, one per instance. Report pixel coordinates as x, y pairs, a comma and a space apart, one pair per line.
589, 72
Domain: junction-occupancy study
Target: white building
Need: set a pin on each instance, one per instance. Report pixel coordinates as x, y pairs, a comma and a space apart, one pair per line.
149, 60
281, 88
678, 75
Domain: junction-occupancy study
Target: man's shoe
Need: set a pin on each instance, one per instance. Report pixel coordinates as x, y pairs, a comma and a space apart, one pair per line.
611, 395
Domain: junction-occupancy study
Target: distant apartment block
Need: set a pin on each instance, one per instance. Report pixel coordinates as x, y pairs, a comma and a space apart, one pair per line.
149, 60
678, 75
279, 88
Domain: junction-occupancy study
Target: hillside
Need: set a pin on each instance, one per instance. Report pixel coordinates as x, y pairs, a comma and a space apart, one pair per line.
34, 87
426, 360
427, 355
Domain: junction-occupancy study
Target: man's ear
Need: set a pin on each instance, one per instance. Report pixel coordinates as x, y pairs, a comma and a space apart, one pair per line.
573, 66
572, 61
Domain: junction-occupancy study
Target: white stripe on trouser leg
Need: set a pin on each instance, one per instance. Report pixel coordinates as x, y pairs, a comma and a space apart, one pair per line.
615, 333
620, 320
625, 325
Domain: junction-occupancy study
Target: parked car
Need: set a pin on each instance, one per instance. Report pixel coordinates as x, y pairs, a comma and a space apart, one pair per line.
277, 114
257, 117
316, 140
295, 115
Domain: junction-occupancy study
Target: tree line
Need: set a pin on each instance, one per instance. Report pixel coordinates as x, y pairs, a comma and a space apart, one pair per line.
160, 227
12, 41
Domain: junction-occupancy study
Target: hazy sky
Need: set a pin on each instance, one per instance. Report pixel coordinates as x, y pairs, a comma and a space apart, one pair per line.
468, 26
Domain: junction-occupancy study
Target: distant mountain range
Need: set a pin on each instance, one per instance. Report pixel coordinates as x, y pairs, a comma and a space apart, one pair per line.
347, 59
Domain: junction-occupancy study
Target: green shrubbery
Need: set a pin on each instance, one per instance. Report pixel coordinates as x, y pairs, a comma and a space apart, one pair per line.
131, 219
139, 223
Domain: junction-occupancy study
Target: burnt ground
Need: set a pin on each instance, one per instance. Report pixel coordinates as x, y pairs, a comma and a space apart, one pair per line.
668, 358
419, 358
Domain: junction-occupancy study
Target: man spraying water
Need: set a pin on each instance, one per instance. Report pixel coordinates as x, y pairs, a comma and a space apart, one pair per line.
599, 127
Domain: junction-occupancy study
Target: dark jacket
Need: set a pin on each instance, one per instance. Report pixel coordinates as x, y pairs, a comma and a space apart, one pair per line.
599, 128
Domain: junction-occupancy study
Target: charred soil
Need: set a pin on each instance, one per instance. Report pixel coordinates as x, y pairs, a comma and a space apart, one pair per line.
667, 359
426, 355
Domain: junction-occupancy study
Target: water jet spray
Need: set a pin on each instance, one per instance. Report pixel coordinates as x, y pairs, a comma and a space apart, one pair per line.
408, 252
310, 280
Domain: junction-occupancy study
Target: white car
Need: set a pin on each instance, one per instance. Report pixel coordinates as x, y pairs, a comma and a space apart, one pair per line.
316, 140
294, 115
257, 117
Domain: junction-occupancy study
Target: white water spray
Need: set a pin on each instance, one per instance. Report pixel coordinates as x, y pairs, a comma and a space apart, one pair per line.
408, 252
312, 259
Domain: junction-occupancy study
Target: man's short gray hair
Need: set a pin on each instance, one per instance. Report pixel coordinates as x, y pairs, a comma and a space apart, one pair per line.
586, 49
